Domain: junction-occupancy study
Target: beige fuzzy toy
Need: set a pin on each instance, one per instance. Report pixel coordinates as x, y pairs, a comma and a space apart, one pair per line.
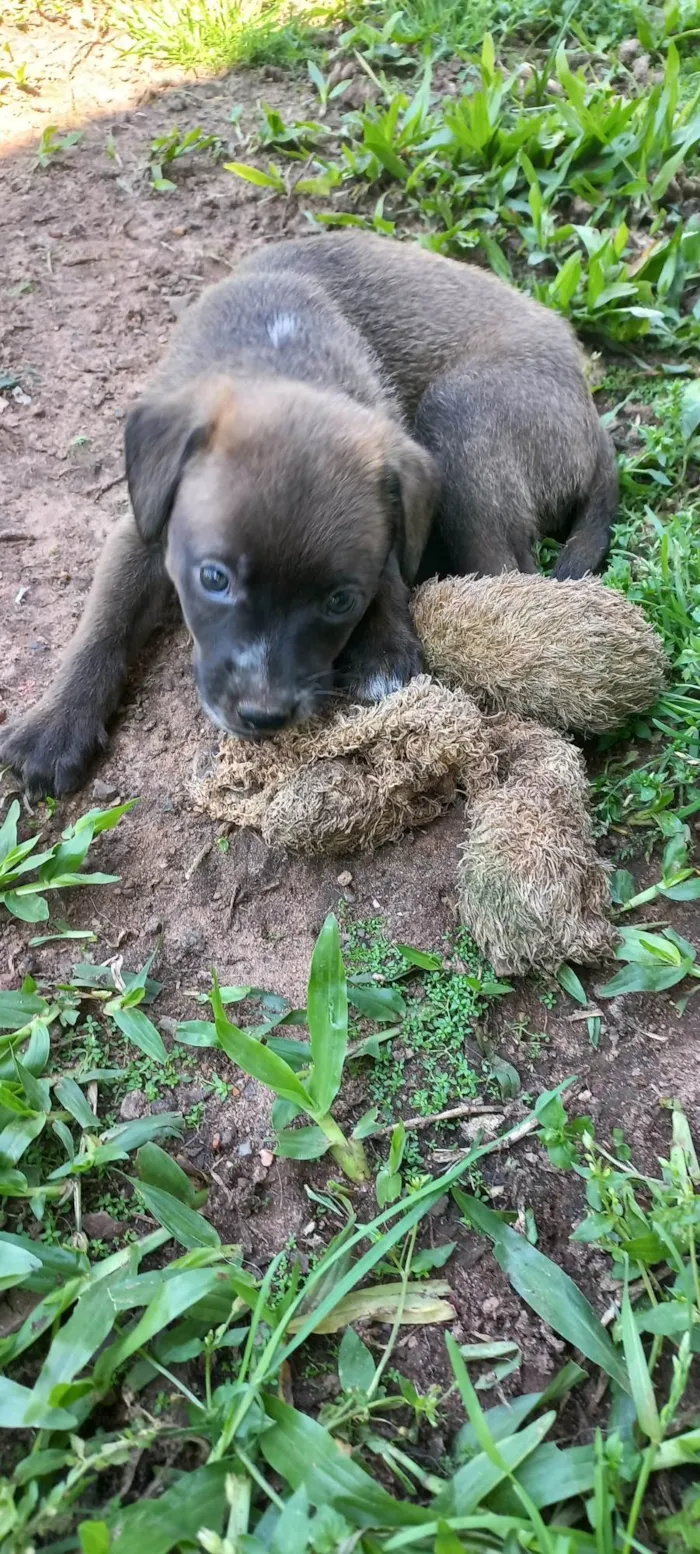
548, 655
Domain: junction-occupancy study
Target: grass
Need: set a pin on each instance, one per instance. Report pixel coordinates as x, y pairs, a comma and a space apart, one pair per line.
217, 34
440, 1054
25, 874
145, 1385
196, 1344
214, 35
656, 561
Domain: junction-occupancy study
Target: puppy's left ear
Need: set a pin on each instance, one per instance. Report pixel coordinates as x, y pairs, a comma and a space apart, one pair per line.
163, 432
412, 484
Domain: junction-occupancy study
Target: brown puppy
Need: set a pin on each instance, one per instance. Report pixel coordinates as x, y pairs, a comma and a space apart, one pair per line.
343, 414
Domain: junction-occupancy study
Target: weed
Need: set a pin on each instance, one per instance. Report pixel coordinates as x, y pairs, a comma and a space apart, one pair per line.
389, 1180
220, 1087
547, 996
680, 880
451, 26
437, 1059
222, 1338
654, 962
56, 868
571, 983
506, 1476
535, 1041
155, 1078
656, 562
18, 74
305, 1078
195, 1116
53, 144
171, 148
476, 172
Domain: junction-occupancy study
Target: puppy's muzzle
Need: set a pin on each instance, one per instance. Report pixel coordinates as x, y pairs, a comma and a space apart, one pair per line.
260, 720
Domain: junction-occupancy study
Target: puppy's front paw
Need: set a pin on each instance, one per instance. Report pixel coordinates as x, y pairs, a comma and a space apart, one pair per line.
370, 678
50, 748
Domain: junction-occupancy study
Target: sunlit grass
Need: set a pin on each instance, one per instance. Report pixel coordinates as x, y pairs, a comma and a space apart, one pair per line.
216, 34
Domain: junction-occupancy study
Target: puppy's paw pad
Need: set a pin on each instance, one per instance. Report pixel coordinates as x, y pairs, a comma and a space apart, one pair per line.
49, 751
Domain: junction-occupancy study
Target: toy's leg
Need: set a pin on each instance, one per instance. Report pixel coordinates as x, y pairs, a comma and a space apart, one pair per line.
518, 455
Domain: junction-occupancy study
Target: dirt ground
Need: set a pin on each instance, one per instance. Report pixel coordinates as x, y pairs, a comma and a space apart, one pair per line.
95, 269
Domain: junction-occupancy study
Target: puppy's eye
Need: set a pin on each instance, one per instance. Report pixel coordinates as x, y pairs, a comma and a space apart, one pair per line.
341, 602
214, 580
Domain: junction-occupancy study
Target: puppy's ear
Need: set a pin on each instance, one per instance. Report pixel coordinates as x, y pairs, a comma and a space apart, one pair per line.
412, 486
162, 432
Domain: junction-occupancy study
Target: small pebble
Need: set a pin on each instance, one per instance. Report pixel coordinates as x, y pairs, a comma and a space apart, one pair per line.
191, 1095
345, 879
629, 50
245, 1149
104, 790
101, 1226
134, 1104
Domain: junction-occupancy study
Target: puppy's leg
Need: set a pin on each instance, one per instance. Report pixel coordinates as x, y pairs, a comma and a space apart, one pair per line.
50, 748
485, 518
517, 445
383, 652
589, 535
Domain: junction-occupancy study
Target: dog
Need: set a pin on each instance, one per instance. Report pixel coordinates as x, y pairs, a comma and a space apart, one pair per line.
342, 416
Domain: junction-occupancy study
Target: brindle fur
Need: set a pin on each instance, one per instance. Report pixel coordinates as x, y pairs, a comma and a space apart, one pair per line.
343, 407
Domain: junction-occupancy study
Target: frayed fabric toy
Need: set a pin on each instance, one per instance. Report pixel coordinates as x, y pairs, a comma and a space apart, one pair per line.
573, 655
532, 890
551, 656
359, 779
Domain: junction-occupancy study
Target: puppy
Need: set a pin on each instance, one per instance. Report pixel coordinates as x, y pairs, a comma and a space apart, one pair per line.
344, 415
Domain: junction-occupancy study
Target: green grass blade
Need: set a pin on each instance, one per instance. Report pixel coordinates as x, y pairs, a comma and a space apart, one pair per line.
258, 1061
185, 1224
640, 1380
547, 1289
327, 1008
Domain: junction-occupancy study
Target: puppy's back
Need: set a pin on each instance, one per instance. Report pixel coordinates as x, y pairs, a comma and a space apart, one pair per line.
265, 323
422, 313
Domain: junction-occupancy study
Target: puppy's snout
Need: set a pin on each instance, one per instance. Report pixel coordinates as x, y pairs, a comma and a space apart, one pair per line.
265, 720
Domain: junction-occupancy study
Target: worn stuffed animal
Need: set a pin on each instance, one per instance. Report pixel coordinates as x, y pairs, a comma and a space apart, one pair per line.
512, 659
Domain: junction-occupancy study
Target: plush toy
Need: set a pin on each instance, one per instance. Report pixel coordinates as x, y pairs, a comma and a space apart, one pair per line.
573, 655
513, 658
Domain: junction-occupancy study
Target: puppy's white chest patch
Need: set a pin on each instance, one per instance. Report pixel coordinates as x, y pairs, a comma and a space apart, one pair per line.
281, 327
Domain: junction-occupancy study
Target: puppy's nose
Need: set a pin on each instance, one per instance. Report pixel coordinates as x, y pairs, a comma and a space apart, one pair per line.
264, 719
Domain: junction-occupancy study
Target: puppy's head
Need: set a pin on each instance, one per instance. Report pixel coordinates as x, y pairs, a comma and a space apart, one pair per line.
281, 507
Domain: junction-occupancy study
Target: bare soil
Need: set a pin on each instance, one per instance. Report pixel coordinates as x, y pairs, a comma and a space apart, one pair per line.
95, 268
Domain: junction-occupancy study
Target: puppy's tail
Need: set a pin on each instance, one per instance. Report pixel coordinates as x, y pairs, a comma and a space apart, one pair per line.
589, 537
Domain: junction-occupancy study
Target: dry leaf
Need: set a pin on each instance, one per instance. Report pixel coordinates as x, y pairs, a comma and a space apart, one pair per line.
422, 1305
